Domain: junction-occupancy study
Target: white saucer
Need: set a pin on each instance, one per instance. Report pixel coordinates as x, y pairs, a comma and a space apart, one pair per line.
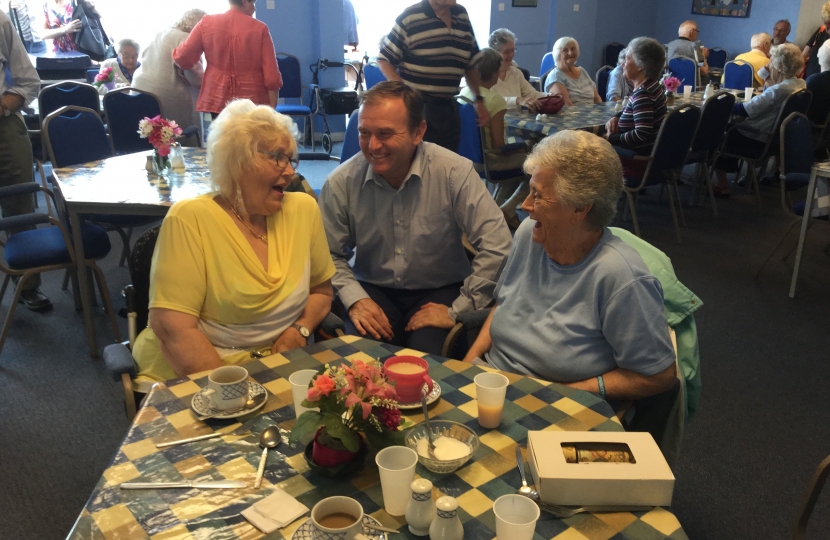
304, 531
432, 397
201, 404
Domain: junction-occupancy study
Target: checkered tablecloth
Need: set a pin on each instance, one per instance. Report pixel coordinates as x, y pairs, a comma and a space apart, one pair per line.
182, 514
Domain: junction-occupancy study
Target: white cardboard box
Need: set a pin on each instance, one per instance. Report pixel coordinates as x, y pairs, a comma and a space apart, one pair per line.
648, 482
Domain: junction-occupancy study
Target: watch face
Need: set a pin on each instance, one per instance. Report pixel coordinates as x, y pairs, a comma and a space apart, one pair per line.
302, 330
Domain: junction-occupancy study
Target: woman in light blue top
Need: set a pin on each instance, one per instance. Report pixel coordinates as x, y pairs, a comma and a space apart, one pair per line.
571, 82
618, 87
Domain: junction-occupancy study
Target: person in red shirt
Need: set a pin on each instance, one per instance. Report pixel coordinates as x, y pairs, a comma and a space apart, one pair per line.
241, 62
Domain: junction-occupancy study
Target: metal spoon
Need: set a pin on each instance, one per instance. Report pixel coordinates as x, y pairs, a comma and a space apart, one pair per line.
431, 446
524, 490
270, 438
253, 401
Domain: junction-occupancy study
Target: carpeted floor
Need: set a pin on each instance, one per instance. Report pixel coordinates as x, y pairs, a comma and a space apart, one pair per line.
747, 457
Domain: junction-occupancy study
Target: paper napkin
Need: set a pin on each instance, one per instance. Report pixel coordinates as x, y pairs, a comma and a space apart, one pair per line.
274, 511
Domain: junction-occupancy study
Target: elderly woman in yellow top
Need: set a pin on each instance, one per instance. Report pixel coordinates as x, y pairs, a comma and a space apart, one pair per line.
246, 268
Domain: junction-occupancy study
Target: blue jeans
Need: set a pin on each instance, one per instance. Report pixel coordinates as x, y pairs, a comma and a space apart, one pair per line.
35, 48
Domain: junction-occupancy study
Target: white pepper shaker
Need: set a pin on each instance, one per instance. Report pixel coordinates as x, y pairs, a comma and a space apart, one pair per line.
420, 512
446, 525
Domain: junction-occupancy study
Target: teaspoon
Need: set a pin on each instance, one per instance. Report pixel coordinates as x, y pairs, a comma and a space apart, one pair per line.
270, 438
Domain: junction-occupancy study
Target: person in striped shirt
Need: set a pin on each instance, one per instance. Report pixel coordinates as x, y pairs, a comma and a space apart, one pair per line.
636, 127
430, 48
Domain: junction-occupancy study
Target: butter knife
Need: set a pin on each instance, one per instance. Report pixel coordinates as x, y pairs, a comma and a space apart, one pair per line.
241, 430
224, 484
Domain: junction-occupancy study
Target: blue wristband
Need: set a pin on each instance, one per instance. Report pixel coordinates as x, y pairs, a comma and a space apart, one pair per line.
601, 383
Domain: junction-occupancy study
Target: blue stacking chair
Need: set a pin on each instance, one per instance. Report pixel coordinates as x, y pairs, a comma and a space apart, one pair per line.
91, 73
292, 88
685, 70
795, 165
32, 252
611, 53
351, 145
547, 65
665, 162
602, 80
714, 119
124, 109
372, 75
737, 75
717, 58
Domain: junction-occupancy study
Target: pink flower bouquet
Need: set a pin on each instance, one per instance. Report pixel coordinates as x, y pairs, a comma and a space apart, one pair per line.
671, 84
160, 133
104, 76
353, 399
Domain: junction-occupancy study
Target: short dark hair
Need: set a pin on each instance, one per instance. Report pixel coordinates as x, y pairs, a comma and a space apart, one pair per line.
411, 97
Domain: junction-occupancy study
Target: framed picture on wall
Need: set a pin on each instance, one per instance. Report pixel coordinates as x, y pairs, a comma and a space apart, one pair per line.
524, 3
721, 8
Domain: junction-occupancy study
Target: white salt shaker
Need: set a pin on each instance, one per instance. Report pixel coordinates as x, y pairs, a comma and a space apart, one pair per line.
420, 512
446, 525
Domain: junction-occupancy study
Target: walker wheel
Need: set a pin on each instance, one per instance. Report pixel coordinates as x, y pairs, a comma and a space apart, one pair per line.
327, 143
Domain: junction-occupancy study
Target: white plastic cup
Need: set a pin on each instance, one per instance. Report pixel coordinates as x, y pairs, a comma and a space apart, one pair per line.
748, 91
687, 92
516, 517
299, 388
491, 389
397, 470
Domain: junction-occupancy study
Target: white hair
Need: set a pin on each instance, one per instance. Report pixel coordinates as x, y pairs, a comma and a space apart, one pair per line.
824, 56
560, 44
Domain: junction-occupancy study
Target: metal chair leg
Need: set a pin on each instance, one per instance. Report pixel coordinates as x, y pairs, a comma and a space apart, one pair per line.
125, 251
674, 216
15, 299
631, 206
65, 283
129, 396
771, 253
711, 190
810, 498
5, 286
105, 296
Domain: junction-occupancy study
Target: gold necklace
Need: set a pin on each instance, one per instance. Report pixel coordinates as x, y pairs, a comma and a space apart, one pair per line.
263, 237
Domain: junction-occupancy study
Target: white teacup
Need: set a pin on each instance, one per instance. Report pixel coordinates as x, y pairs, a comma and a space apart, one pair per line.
330, 518
227, 387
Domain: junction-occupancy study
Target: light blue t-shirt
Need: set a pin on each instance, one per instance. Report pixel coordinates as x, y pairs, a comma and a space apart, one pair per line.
581, 91
763, 109
571, 323
617, 85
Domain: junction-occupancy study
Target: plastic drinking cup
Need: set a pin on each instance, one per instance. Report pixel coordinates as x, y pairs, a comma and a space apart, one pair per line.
299, 388
490, 391
516, 517
397, 470
687, 92
748, 93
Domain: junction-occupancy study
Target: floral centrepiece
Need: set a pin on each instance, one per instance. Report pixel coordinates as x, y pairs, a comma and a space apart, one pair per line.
161, 133
671, 84
353, 398
104, 78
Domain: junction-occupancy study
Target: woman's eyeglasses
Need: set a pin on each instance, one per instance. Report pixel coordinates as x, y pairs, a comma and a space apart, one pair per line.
282, 159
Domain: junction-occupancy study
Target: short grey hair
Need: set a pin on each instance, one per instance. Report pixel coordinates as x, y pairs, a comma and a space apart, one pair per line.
560, 44
236, 138
649, 55
824, 56
128, 43
501, 37
621, 56
760, 40
588, 172
488, 62
189, 20
787, 60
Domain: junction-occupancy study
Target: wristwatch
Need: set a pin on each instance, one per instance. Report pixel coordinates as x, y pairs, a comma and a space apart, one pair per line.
302, 330
479, 98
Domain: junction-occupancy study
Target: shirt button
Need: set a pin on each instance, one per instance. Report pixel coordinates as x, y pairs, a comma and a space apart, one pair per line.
398, 251
398, 222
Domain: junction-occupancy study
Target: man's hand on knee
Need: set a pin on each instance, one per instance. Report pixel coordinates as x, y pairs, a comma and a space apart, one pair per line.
432, 315
369, 318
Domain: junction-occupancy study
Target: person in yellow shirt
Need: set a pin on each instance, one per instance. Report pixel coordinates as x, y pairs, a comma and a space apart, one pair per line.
246, 268
758, 57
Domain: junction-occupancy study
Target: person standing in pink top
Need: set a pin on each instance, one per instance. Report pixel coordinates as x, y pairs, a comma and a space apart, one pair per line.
241, 62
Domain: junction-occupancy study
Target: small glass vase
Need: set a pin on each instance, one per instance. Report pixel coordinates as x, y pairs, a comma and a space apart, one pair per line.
109, 85
161, 164
670, 98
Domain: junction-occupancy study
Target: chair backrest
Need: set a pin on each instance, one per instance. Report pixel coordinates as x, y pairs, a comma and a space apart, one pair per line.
717, 57
737, 75
124, 108
714, 117
55, 96
351, 145
796, 140
525, 73
75, 135
139, 263
372, 75
470, 145
292, 81
91, 74
673, 142
685, 70
602, 81
547, 64
611, 53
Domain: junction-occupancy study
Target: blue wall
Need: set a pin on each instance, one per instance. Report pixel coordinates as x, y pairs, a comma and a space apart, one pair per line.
727, 33
532, 29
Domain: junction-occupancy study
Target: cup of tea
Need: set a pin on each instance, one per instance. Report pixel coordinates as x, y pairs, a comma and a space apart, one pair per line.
227, 387
337, 518
409, 373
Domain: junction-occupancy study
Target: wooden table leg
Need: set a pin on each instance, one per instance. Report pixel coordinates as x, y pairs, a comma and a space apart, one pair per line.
83, 282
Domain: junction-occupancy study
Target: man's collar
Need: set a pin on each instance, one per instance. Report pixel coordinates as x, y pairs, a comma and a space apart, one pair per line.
684, 38
431, 12
415, 170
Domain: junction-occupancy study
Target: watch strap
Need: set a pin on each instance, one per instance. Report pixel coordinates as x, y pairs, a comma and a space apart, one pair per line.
305, 332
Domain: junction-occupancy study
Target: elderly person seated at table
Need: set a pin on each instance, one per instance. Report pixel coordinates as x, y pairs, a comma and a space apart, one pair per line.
246, 268
511, 187
636, 126
123, 66
575, 304
819, 85
758, 57
760, 112
687, 46
175, 88
511, 84
573, 83
619, 87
